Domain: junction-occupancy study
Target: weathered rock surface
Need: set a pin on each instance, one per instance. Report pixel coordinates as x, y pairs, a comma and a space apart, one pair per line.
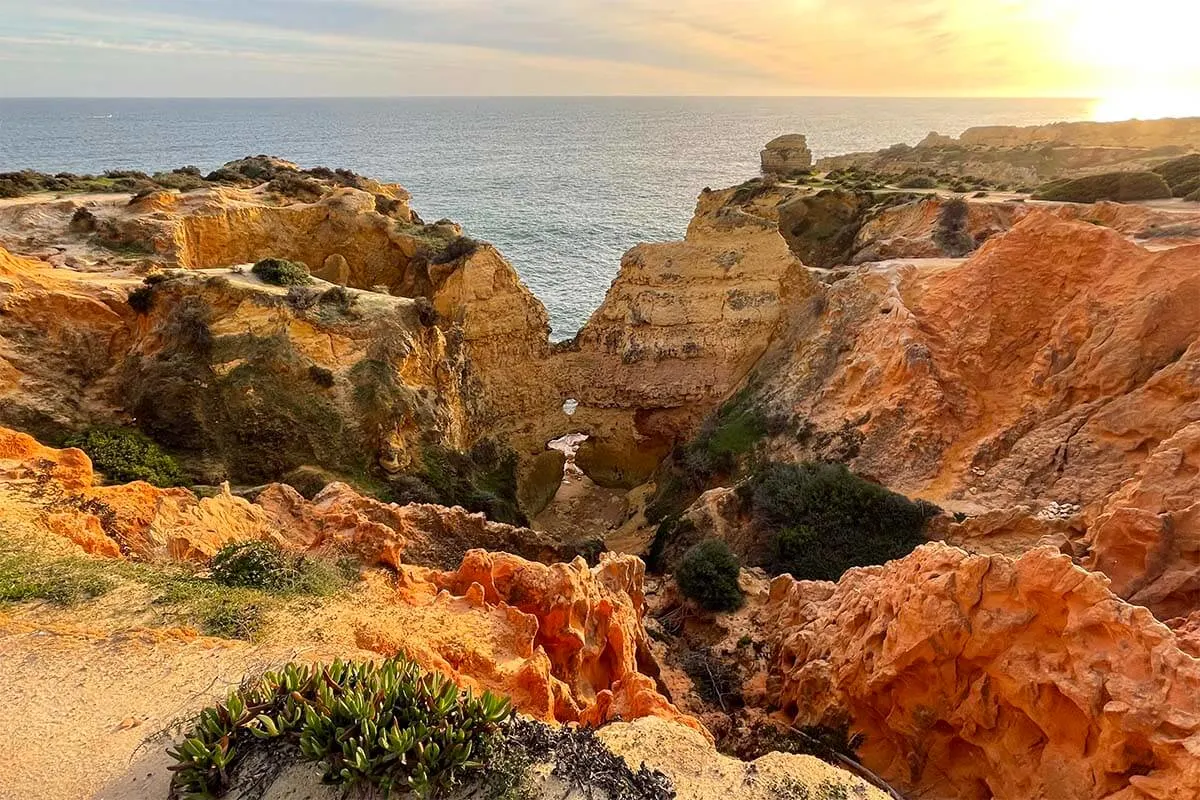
975, 678
680, 328
786, 155
225, 369
1051, 366
566, 641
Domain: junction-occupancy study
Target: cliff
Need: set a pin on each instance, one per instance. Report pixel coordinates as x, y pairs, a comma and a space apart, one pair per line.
1032, 155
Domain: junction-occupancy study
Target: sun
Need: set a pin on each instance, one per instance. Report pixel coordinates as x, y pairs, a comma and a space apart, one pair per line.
1141, 59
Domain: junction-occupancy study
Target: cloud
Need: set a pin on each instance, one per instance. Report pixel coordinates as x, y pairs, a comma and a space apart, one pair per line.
368, 47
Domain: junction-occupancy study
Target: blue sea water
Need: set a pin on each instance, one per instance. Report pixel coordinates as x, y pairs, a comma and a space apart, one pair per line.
563, 186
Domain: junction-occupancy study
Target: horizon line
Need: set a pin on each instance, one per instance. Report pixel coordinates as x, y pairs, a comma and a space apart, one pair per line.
556, 97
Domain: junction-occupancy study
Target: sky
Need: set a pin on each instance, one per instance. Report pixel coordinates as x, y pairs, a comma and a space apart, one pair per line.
918, 48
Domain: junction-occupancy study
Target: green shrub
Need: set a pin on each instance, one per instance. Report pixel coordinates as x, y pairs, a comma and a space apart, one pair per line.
825, 520
263, 565
1181, 174
390, 727
708, 574
281, 272
124, 455
918, 182
1121, 187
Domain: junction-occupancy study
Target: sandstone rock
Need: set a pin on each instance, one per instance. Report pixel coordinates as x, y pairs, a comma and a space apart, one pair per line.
974, 677
698, 772
680, 328
786, 155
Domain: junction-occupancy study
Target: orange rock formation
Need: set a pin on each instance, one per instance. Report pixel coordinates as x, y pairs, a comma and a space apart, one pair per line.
565, 640
979, 677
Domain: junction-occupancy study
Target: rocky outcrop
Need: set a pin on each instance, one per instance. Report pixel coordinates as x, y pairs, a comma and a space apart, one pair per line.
248, 381
680, 328
978, 677
786, 155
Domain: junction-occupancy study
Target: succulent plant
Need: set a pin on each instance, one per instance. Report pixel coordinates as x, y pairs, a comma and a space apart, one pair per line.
390, 725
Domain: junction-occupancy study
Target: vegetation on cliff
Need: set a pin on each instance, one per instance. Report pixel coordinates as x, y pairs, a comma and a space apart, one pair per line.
822, 519
483, 479
231, 602
391, 726
1181, 174
281, 272
708, 574
125, 455
1121, 187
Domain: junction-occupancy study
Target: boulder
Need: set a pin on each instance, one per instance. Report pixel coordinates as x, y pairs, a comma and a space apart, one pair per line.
786, 155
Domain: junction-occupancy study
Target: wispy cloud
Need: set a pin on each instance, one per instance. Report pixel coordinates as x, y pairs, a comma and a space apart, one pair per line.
542, 46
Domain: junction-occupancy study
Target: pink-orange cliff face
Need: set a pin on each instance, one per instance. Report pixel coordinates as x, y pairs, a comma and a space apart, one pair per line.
976, 677
1055, 365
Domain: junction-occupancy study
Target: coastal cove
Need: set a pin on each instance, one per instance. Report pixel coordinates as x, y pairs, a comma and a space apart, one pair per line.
562, 186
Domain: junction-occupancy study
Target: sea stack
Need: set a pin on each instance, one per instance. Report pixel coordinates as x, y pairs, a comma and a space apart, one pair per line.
786, 155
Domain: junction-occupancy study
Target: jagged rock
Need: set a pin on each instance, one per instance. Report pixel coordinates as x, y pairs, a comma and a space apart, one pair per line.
977, 677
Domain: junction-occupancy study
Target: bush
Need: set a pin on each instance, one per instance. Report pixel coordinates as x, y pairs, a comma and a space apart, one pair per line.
390, 728
263, 565
918, 182
826, 520
125, 455
1121, 187
1181, 174
950, 233
280, 272
708, 574
141, 299
290, 184
321, 376
458, 248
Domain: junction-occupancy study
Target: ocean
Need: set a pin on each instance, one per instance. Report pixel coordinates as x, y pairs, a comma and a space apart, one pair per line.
563, 186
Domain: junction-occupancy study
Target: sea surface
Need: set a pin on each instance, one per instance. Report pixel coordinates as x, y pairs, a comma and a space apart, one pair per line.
563, 186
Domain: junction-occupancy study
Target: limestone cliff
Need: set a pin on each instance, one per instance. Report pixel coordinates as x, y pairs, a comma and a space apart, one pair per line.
1029, 156
680, 328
